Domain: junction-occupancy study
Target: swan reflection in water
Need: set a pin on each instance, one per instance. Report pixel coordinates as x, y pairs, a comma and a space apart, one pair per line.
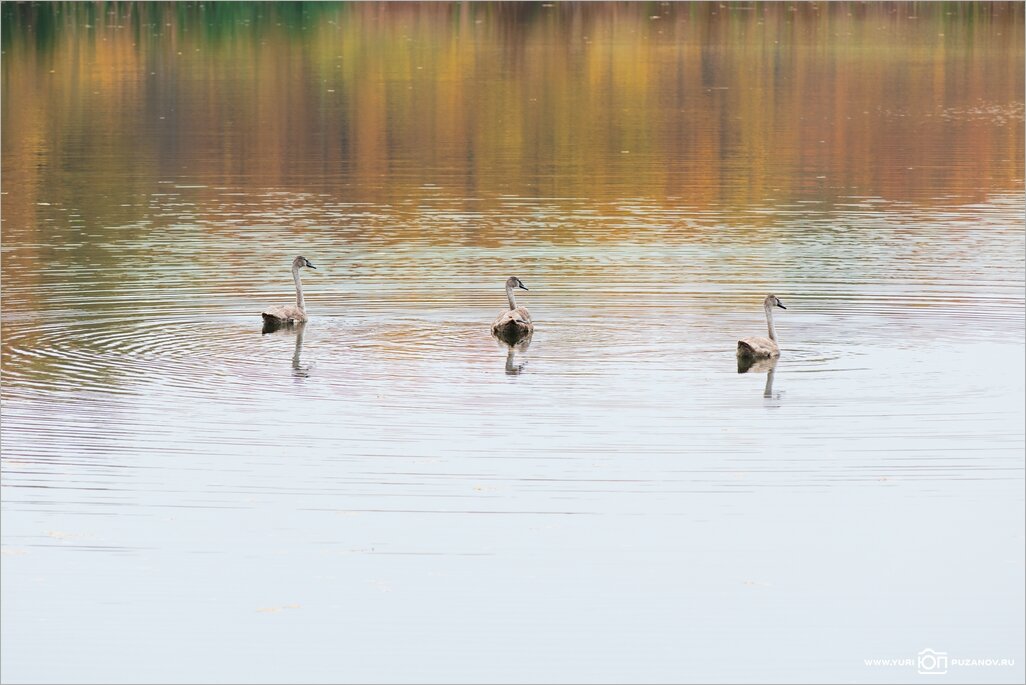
766, 366
299, 369
514, 368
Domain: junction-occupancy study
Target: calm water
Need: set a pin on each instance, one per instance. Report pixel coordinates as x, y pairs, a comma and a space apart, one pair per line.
388, 493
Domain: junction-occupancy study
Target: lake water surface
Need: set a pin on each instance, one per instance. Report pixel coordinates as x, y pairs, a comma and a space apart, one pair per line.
388, 494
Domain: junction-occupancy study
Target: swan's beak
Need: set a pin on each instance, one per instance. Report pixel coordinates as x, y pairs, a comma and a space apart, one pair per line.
309, 265
522, 286
779, 304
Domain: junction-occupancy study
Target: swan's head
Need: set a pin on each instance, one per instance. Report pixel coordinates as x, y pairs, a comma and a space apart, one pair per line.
773, 301
514, 282
301, 261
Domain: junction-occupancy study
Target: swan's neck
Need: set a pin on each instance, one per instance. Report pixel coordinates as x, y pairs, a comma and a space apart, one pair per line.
512, 298
769, 323
299, 288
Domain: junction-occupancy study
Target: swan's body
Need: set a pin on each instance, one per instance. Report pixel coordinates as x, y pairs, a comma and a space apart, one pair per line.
290, 313
516, 321
759, 347
285, 313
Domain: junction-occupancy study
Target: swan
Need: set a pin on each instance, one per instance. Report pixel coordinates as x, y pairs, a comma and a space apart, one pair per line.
759, 347
516, 322
285, 314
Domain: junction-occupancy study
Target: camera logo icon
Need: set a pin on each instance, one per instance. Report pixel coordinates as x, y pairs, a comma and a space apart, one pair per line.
930, 662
